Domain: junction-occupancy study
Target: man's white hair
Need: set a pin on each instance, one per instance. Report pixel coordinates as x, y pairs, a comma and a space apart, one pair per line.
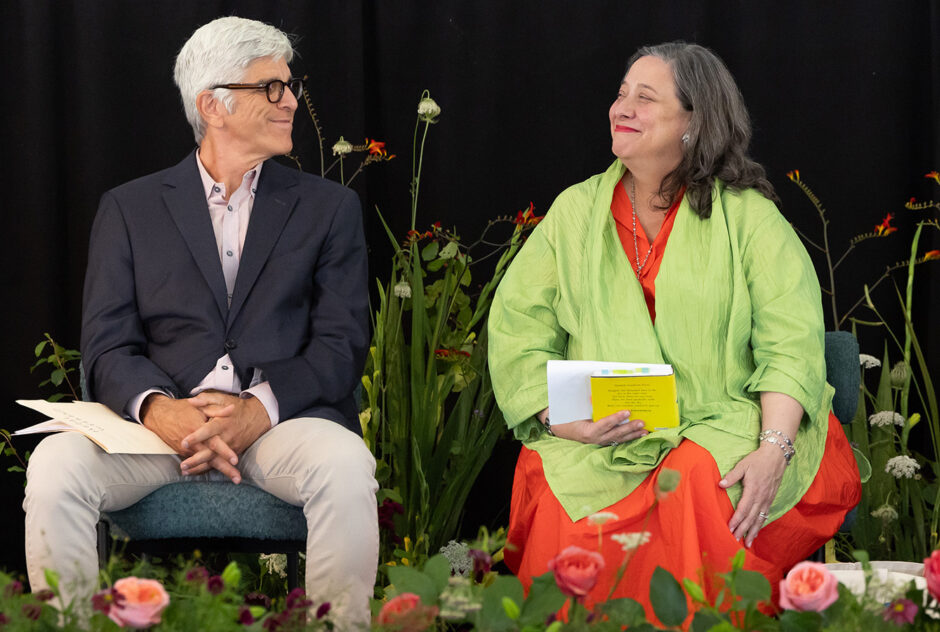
219, 52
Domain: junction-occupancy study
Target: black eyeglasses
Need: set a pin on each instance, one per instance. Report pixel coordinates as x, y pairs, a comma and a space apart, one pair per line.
273, 89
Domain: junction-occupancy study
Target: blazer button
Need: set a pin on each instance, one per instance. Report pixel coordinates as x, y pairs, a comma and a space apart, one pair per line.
230, 344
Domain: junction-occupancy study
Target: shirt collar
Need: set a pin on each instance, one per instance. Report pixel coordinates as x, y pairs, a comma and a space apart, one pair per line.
209, 185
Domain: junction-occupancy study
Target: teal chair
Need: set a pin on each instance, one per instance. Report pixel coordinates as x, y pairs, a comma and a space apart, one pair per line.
844, 374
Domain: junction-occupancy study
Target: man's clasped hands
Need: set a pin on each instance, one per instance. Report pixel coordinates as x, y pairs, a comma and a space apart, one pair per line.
210, 429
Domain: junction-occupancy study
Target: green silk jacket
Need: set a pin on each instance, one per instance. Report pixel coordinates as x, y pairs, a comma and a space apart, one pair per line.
738, 312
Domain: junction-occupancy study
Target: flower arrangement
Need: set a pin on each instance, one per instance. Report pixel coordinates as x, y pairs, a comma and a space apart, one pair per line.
429, 414
901, 495
190, 599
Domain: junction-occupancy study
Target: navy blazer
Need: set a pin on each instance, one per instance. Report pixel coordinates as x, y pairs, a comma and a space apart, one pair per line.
155, 308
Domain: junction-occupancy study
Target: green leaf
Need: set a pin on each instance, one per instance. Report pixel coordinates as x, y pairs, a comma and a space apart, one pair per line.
57, 376
15, 468
864, 465
694, 590
438, 569
703, 621
52, 579
737, 562
410, 580
723, 626
623, 611
511, 608
796, 621
449, 251
231, 576
544, 598
492, 616
430, 251
667, 598
751, 585
38, 350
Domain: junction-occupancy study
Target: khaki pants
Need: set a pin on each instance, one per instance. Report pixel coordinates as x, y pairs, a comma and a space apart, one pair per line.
311, 463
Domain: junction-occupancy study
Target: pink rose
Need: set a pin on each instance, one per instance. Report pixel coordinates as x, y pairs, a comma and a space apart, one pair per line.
809, 586
406, 613
932, 574
576, 570
142, 602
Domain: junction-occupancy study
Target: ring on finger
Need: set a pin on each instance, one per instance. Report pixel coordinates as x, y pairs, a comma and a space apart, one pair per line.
763, 516
613, 444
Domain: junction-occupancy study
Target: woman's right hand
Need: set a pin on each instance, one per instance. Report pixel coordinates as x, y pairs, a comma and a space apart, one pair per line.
610, 430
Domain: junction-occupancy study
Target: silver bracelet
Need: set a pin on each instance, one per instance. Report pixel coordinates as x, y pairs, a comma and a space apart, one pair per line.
788, 449
782, 435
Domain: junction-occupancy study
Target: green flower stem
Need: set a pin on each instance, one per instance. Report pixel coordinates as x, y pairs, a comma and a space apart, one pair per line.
909, 315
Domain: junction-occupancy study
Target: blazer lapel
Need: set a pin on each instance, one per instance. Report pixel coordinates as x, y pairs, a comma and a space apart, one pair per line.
186, 201
274, 202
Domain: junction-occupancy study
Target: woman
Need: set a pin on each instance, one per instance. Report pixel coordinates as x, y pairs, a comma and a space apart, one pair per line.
676, 254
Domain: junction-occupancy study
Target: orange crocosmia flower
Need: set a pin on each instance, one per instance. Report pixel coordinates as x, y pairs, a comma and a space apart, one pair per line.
885, 227
933, 174
931, 255
376, 148
528, 217
794, 175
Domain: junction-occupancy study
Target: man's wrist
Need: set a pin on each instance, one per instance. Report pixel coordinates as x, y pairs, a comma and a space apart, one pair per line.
148, 402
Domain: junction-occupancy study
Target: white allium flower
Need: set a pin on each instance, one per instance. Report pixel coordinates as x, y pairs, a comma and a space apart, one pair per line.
428, 109
601, 517
886, 513
458, 600
275, 563
458, 554
342, 147
902, 467
402, 289
868, 361
886, 418
630, 541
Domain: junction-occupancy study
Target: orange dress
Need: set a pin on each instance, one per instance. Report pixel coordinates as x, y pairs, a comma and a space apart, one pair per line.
689, 534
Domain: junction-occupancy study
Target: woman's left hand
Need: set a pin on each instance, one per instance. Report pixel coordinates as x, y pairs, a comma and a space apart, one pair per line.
759, 473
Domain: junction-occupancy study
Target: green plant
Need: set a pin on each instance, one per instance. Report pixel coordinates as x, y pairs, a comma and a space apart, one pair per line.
429, 414
902, 494
61, 362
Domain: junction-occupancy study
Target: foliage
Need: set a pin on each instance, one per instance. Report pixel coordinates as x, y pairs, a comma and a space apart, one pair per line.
902, 495
429, 414
197, 601
741, 602
61, 362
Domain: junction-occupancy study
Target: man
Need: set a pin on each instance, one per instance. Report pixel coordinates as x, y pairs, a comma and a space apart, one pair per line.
226, 310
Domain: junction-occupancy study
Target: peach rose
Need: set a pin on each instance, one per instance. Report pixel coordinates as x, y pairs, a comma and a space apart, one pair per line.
406, 613
809, 586
143, 601
932, 574
576, 570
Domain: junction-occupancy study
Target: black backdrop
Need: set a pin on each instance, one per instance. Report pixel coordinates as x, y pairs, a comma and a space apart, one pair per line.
847, 92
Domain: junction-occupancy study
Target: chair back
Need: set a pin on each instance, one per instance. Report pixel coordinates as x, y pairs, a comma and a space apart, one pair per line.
843, 373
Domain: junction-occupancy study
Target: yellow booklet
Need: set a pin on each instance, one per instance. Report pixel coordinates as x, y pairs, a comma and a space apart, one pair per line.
648, 392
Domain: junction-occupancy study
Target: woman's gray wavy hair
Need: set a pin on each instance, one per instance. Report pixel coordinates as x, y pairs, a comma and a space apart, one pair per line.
219, 52
719, 130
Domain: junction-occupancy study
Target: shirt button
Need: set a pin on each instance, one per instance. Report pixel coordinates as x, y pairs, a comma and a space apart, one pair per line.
225, 367
230, 208
215, 189
228, 253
